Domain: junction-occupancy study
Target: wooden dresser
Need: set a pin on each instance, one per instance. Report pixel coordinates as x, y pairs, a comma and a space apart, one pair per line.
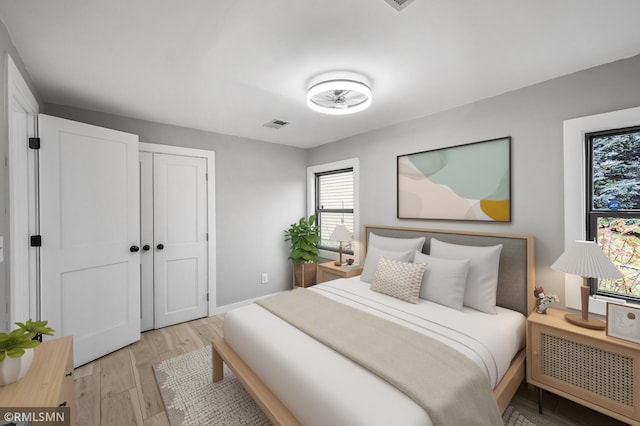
49, 381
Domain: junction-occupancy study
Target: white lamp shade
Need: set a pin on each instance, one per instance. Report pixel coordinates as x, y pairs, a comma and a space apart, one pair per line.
340, 233
585, 258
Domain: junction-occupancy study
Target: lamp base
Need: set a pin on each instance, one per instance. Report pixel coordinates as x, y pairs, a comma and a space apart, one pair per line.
594, 324
337, 263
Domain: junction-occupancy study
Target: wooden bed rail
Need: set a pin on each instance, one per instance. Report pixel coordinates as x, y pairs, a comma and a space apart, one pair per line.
508, 386
266, 400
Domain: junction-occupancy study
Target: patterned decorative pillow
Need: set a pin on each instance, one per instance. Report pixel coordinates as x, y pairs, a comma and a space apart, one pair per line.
374, 254
398, 279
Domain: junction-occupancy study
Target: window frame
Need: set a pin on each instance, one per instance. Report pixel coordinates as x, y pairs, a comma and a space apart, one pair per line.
592, 214
573, 131
312, 198
318, 209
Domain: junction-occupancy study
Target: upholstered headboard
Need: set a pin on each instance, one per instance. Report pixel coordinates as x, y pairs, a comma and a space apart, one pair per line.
516, 280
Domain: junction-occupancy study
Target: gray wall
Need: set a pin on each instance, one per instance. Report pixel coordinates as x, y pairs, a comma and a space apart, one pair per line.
260, 187
7, 48
260, 191
533, 117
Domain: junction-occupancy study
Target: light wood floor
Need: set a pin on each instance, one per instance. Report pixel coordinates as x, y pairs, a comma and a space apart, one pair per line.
120, 389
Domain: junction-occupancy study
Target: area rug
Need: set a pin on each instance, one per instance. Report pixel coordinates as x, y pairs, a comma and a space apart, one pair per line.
191, 399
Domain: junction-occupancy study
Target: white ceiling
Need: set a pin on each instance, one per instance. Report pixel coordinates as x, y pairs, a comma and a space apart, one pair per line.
231, 66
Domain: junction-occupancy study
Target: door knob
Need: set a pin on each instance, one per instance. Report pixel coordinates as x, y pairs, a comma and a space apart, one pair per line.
146, 247
134, 249
160, 246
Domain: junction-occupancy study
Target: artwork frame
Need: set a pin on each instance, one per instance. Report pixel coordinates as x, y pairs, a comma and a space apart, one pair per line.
468, 182
623, 322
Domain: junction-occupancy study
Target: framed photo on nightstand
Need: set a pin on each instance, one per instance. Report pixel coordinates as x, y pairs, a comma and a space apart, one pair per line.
623, 322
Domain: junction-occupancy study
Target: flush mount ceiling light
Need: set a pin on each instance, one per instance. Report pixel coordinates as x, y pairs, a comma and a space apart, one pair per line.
339, 97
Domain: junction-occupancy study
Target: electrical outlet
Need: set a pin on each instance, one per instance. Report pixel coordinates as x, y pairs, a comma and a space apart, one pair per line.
265, 278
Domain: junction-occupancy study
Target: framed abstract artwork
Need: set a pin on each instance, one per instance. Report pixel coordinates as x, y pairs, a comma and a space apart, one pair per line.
464, 182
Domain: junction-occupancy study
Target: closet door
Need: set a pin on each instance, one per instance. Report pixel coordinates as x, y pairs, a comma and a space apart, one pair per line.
90, 218
180, 238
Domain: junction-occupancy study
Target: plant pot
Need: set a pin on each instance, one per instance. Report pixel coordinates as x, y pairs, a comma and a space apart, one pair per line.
14, 369
305, 274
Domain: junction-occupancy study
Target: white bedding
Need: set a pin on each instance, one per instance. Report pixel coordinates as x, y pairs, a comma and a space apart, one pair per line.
322, 387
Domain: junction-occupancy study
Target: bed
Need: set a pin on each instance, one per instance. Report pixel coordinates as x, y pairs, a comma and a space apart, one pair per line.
296, 379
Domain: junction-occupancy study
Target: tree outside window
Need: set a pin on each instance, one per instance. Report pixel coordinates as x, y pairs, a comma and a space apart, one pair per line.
613, 209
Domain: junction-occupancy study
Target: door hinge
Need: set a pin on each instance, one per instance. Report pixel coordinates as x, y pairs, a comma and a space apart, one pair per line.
207, 297
34, 143
206, 176
207, 236
36, 241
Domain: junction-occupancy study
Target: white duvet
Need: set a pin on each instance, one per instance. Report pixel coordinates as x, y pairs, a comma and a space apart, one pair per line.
322, 387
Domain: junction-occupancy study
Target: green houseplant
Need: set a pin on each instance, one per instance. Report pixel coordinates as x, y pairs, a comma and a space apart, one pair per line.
305, 238
16, 349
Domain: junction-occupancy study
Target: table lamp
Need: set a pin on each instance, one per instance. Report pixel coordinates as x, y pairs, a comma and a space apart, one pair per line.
340, 233
585, 258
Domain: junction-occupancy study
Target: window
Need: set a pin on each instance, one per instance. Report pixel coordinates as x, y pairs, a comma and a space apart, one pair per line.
613, 206
334, 205
333, 198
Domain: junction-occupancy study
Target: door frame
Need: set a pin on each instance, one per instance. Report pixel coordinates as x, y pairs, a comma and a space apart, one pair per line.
23, 220
209, 156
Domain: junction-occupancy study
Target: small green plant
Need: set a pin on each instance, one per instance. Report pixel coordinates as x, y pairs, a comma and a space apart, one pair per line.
15, 343
305, 237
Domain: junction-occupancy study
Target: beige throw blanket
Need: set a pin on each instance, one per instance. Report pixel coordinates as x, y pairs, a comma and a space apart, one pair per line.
449, 386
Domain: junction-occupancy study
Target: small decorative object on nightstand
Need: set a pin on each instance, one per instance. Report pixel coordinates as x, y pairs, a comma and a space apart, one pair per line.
623, 322
543, 301
329, 271
584, 366
585, 258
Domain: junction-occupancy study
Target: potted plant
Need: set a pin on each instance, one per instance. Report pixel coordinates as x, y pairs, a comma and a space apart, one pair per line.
16, 349
304, 237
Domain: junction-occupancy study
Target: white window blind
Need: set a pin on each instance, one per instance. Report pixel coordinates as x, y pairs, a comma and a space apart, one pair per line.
334, 205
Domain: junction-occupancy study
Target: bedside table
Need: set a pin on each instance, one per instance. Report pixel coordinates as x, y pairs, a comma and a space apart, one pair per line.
584, 365
328, 271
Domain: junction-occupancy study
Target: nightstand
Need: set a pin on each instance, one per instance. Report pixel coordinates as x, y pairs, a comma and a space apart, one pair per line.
584, 365
329, 271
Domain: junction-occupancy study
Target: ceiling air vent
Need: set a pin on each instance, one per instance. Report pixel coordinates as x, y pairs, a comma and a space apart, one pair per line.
276, 124
399, 4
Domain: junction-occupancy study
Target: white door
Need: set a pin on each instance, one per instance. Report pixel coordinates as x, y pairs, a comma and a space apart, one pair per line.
180, 238
89, 209
22, 123
146, 240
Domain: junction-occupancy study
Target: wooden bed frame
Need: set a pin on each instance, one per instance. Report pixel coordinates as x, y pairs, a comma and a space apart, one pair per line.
519, 300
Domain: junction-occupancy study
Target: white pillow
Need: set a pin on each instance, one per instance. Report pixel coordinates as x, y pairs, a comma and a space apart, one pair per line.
396, 244
482, 278
398, 279
371, 262
444, 280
